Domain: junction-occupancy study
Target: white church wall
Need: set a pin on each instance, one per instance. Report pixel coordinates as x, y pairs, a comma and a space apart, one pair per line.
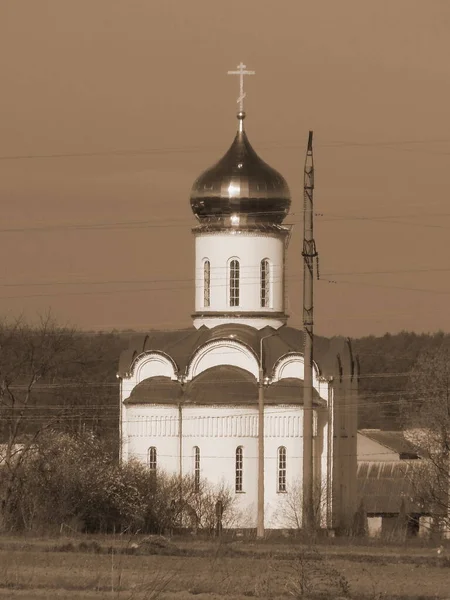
250, 249
218, 431
283, 510
283, 428
149, 425
145, 366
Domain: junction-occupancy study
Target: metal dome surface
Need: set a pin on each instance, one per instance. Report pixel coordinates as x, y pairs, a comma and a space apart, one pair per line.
241, 189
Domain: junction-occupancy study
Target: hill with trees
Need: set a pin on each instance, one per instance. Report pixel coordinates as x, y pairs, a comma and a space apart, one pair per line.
386, 365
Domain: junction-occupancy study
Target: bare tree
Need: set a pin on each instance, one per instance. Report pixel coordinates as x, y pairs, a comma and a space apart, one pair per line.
289, 511
200, 500
30, 359
425, 412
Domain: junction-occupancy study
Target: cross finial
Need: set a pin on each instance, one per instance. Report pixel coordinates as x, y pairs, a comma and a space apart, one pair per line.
241, 72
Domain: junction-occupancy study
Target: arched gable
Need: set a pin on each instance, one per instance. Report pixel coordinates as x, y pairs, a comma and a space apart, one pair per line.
153, 364
292, 365
222, 352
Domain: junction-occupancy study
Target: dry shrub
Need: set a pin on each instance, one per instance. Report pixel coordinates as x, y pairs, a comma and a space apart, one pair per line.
312, 575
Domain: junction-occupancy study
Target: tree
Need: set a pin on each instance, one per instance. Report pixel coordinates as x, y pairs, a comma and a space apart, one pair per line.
290, 506
29, 357
425, 411
199, 504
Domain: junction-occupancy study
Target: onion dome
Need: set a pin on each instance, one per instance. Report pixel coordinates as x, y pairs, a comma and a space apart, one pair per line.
241, 189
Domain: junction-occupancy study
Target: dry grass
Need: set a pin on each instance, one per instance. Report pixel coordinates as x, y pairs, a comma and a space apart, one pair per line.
75, 569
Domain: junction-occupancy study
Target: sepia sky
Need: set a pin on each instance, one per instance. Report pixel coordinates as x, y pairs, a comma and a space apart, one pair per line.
136, 96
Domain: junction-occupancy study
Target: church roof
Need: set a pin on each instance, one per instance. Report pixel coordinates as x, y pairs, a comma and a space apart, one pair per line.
223, 384
157, 390
288, 391
181, 345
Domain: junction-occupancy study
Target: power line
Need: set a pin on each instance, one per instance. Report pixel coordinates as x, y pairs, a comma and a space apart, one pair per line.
187, 287
267, 145
181, 222
392, 287
253, 278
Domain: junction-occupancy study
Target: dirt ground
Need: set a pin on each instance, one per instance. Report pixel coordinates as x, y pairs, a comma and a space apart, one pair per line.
181, 569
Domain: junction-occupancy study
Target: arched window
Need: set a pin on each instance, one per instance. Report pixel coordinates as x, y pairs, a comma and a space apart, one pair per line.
206, 283
196, 469
239, 468
152, 459
265, 283
281, 467
234, 283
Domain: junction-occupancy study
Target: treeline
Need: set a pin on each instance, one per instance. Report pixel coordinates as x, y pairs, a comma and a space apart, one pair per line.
66, 379
386, 363
60, 378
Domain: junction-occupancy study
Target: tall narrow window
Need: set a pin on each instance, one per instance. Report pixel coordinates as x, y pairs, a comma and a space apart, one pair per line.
196, 469
206, 283
152, 458
281, 485
234, 283
239, 468
265, 283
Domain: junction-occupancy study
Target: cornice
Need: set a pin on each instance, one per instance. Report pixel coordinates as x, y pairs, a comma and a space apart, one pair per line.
280, 232
250, 314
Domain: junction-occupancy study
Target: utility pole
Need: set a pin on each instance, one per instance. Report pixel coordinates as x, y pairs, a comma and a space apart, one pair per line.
260, 515
309, 254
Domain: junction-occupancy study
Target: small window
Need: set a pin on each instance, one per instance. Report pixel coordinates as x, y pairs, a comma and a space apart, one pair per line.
239, 468
234, 283
281, 485
196, 469
152, 458
265, 283
206, 283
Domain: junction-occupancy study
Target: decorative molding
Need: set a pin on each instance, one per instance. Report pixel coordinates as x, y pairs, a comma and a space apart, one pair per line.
222, 352
210, 426
163, 365
152, 426
199, 231
293, 365
285, 362
220, 427
245, 314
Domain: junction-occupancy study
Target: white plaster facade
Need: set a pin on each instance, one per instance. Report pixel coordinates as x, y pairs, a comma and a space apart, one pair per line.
249, 248
219, 430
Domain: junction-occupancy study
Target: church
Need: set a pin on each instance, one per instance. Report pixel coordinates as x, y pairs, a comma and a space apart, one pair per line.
189, 398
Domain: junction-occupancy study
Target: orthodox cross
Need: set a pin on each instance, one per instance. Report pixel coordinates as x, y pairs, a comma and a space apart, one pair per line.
242, 71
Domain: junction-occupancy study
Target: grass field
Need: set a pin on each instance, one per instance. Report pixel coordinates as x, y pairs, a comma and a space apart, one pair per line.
138, 568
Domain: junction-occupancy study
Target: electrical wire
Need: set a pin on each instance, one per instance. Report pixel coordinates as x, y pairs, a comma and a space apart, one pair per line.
273, 144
